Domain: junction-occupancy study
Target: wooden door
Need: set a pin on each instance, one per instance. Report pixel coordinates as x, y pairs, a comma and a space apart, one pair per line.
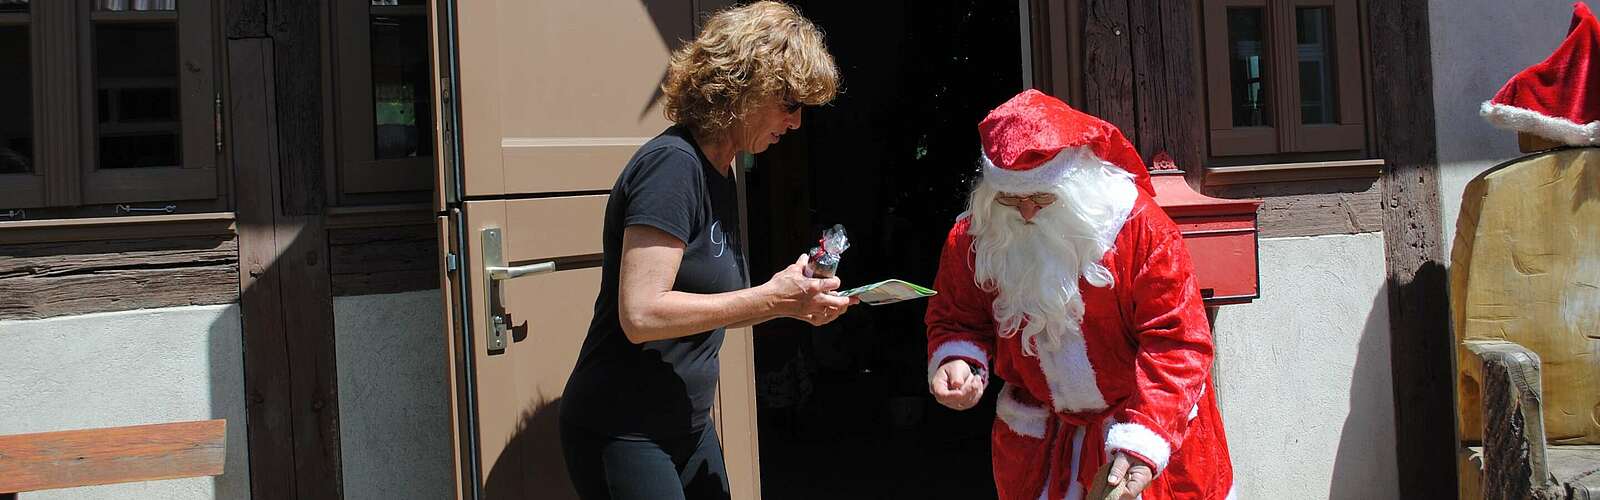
542, 104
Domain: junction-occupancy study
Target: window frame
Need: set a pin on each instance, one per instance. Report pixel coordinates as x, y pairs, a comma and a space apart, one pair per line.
66, 181
1286, 135
360, 177
195, 178
26, 190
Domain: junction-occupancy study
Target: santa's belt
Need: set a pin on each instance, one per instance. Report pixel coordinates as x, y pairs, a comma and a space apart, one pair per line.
1018, 409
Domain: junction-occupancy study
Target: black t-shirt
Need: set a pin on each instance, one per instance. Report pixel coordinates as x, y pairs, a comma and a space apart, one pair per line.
660, 388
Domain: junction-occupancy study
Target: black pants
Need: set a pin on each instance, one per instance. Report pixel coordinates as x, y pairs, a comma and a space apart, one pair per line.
611, 468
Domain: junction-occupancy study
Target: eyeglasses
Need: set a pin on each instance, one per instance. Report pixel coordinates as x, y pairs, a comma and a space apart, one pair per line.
1039, 199
790, 106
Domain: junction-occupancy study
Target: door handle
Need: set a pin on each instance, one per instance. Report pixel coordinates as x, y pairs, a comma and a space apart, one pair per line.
495, 271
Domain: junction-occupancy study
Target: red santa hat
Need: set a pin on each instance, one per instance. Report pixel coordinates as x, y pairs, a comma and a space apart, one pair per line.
1033, 141
1558, 99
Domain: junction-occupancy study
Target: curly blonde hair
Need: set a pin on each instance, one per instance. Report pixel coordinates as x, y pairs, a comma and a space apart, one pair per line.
743, 56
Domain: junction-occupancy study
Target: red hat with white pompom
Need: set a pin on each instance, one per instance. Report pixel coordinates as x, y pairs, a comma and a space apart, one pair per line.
1558, 99
1033, 141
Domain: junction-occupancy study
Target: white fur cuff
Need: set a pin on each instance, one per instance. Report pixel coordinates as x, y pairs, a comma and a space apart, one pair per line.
957, 349
1139, 439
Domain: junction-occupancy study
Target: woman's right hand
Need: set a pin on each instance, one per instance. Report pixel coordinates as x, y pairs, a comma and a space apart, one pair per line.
806, 299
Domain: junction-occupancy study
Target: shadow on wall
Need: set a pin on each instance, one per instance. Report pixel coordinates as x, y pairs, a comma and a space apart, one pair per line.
225, 360
531, 463
1370, 414
1353, 467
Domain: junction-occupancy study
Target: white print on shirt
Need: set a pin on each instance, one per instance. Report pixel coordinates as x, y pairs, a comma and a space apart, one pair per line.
721, 245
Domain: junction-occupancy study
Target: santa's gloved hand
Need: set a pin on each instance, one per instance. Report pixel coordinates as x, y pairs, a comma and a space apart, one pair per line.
956, 386
1131, 473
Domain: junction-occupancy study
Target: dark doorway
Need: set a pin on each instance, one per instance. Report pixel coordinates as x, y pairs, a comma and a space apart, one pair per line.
844, 409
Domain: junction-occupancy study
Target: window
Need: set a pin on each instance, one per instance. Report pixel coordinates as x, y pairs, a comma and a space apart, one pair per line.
20, 182
1283, 76
110, 107
384, 81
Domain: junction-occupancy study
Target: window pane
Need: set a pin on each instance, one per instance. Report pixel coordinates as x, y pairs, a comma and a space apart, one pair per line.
1314, 50
399, 2
136, 83
401, 93
16, 109
13, 6
135, 5
1247, 66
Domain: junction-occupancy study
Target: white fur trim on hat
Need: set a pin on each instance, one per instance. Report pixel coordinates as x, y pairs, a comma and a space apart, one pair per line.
1139, 439
1554, 128
1022, 418
956, 349
1039, 178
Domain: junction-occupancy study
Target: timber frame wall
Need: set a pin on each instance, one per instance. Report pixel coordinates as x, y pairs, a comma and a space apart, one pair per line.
285, 252
282, 253
1138, 64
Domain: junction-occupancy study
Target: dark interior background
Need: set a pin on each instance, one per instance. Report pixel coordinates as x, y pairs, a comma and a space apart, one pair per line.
844, 408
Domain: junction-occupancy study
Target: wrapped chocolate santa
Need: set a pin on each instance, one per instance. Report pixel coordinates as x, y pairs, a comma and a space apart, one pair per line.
1067, 283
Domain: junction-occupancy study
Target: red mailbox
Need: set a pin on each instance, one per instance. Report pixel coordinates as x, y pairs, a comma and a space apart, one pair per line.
1221, 235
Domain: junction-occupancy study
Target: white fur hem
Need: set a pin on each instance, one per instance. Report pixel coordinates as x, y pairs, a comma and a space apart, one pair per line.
1021, 418
1040, 178
1550, 127
1139, 439
956, 349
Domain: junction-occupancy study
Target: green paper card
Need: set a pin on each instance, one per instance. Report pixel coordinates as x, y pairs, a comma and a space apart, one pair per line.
888, 292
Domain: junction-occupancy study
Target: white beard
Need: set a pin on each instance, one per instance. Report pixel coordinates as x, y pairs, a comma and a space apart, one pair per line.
1035, 267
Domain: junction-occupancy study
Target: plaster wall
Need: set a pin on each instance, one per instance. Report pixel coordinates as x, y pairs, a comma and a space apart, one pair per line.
138, 367
1303, 373
394, 407
1477, 46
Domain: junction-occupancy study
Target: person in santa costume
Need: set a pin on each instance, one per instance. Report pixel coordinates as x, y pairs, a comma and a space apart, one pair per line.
1068, 283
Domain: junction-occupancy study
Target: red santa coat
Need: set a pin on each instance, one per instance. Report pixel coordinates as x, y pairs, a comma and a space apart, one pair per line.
1137, 381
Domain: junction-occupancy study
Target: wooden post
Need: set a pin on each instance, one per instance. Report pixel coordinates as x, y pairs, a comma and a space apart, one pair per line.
1419, 321
276, 145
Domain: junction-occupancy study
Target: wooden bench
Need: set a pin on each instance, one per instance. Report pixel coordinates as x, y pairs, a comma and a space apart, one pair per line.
66, 459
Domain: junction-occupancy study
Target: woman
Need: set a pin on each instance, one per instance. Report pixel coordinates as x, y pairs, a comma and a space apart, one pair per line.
635, 418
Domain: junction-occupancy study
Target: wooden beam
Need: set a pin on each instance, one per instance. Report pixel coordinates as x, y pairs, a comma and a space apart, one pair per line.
44, 280
1151, 87
246, 18
66, 459
1312, 207
1108, 64
1419, 319
253, 149
377, 260
297, 44
276, 121
1184, 99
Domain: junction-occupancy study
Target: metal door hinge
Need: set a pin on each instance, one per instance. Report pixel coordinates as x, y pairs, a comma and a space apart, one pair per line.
14, 214
448, 139
450, 263
216, 120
